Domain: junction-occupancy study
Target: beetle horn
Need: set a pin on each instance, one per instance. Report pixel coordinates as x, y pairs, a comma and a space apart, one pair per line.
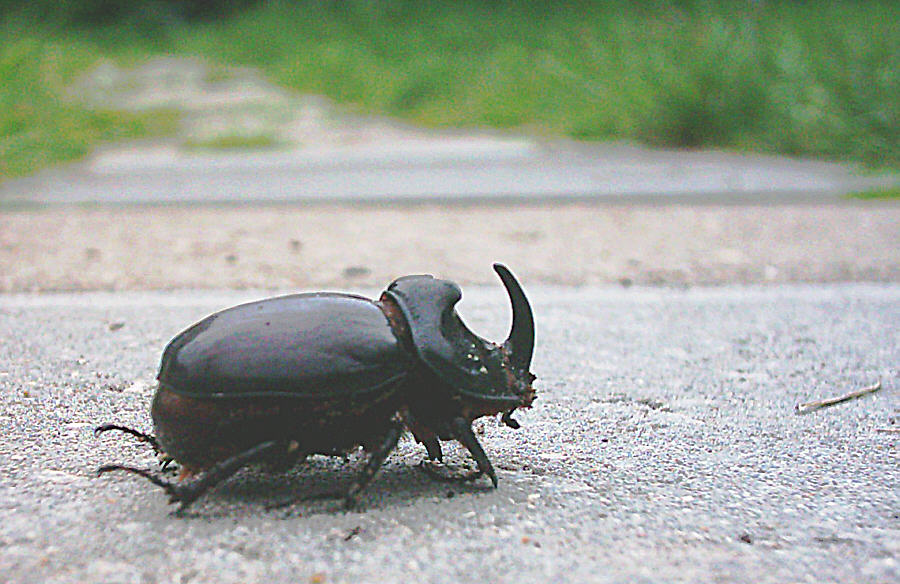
520, 342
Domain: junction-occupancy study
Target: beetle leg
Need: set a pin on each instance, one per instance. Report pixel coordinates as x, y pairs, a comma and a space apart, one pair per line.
168, 487
434, 449
462, 430
376, 459
149, 439
507, 419
188, 493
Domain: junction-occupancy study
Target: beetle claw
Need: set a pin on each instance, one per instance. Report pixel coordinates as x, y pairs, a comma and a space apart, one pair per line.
507, 419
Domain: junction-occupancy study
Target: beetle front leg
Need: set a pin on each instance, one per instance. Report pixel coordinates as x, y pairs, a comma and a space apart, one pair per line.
376, 459
462, 430
507, 419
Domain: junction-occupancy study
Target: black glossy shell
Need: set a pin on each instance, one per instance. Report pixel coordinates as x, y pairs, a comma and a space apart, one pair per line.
471, 365
302, 345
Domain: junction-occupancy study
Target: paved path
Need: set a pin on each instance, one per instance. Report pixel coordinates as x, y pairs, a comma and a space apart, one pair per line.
325, 155
663, 447
438, 168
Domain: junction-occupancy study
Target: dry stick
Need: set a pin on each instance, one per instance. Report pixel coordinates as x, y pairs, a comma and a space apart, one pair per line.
815, 405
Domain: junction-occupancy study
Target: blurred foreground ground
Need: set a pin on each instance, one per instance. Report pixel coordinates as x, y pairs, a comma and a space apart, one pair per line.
292, 247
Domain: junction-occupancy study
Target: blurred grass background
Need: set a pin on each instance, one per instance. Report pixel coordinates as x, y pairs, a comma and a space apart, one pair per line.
818, 79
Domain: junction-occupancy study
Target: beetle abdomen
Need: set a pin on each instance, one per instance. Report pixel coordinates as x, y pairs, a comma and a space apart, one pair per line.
303, 345
200, 431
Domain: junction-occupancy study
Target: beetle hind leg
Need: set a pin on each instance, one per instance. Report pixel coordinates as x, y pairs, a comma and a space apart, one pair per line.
187, 493
148, 438
149, 475
217, 473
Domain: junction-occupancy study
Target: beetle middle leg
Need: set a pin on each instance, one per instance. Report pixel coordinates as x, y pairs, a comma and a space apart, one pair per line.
433, 447
190, 492
376, 459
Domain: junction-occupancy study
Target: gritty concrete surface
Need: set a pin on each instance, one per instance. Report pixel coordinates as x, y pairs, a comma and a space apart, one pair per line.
316, 152
663, 447
122, 248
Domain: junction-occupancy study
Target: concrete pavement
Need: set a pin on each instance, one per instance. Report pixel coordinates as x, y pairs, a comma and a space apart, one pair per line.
293, 246
663, 447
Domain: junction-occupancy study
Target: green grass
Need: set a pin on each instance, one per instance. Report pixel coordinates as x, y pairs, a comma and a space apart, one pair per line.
889, 193
799, 78
815, 79
38, 125
235, 141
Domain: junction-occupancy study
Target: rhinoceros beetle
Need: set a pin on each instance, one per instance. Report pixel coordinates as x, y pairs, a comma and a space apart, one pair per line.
324, 373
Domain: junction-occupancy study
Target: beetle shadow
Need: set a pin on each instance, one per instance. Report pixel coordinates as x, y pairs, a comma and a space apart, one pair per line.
319, 485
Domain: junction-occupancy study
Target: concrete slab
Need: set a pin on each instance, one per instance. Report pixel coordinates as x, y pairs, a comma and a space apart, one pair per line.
663, 447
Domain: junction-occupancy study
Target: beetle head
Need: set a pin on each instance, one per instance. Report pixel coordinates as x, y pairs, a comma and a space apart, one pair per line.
475, 367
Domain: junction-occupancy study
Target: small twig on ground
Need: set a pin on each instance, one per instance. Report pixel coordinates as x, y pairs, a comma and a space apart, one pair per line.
888, 430
815, 405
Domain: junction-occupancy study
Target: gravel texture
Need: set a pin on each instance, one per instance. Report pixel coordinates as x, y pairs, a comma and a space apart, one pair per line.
663, 447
